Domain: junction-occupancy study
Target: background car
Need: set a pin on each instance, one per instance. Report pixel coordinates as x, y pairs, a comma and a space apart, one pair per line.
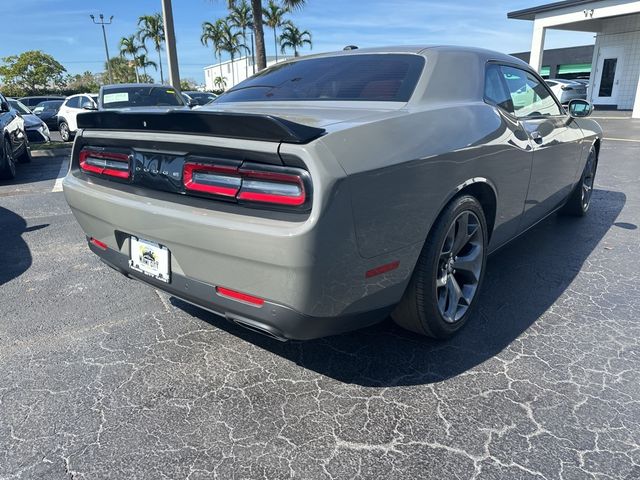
199, 98
567, 90
139, 96
332, 190
48, 112
37, 131
69, 110
14, 145
32, 101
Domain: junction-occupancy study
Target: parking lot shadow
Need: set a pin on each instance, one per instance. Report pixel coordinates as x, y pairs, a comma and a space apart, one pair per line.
15, 256
522, 281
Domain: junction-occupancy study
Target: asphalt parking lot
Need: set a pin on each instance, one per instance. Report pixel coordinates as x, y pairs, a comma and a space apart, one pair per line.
103, 377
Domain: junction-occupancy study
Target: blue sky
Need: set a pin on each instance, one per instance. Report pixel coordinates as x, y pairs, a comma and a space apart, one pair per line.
63, 29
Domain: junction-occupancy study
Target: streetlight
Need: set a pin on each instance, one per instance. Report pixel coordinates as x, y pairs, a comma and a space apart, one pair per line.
102, 23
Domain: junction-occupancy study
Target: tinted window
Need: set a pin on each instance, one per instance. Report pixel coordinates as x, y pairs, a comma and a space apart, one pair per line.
495, 90
530, 97
73, 102
16, 105
147, 96
376, 77
51, 105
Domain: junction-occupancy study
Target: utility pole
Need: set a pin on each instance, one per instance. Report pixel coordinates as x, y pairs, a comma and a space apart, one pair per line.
170, 41
102, 23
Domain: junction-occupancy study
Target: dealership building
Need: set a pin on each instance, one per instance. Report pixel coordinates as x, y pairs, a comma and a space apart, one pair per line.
615, 65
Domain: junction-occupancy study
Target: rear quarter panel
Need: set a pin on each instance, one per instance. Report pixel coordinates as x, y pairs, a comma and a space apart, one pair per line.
403, 170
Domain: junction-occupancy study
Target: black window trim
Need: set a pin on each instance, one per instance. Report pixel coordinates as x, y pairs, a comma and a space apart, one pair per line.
527, 69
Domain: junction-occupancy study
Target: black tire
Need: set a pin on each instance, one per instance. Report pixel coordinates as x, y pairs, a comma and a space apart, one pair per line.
420, 310
7, 162
25, 156
65, 134
579, 199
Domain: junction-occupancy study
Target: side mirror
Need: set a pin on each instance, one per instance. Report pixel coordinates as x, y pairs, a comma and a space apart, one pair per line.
579, 108
192, 103
4, 107
89, 106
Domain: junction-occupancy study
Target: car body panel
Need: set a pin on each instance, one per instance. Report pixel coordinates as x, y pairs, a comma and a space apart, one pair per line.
35, 129
72, 107
12, 127
382, 172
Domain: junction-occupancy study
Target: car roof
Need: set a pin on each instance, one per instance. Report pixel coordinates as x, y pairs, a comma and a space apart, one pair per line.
42, 96
423, 50
121, 85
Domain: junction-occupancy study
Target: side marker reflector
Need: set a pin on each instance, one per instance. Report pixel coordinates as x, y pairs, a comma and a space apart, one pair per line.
382, 269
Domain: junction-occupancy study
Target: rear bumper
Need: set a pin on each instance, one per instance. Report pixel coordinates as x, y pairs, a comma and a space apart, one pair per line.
277, 321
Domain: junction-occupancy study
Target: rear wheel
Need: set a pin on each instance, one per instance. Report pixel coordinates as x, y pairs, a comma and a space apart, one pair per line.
449, 272
580, 198
64, 131
7, 162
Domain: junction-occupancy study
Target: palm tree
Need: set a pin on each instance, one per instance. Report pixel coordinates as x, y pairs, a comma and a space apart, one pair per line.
273, 18
257, 11
144, 62
231, 44
220, 83
293, 38
213, 32
129, 46
151, 27
240, 17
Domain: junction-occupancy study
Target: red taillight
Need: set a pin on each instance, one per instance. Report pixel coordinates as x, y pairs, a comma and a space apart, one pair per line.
239, 296
272, 187
112, 164
285, 188
212, 179
98, 243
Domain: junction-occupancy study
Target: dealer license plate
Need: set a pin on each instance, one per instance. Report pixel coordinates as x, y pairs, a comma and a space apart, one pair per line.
150, 258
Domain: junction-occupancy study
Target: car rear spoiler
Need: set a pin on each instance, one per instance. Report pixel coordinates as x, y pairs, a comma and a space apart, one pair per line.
219, 124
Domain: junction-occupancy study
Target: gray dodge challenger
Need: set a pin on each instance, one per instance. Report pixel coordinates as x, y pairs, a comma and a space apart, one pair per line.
325, 193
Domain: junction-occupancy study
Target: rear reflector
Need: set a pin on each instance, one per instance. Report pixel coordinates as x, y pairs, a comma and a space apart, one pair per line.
112, 164
382, 269
98, 243
239, 296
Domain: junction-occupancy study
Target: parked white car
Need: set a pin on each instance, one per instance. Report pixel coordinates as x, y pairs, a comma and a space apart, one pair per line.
567, 90
68, 113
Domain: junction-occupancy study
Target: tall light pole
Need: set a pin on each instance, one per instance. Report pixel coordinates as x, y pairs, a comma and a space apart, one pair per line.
102, 23
170, 42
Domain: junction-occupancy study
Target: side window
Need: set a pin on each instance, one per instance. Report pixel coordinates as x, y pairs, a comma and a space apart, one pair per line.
530, 97
85, 101
73, 102
495, 91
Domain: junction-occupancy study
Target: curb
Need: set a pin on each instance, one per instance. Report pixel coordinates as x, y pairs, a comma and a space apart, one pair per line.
52, 152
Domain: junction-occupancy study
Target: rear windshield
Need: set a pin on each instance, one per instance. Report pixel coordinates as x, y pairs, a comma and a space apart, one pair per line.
51, 104
125, 97
363, 77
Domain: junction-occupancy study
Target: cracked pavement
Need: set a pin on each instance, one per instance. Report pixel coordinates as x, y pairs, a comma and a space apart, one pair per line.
104, 377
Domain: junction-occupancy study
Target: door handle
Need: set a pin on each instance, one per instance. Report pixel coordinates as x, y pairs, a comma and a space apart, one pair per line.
536, 137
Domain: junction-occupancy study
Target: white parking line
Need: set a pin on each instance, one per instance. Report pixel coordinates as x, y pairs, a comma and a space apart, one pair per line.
622, 139
57, 187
